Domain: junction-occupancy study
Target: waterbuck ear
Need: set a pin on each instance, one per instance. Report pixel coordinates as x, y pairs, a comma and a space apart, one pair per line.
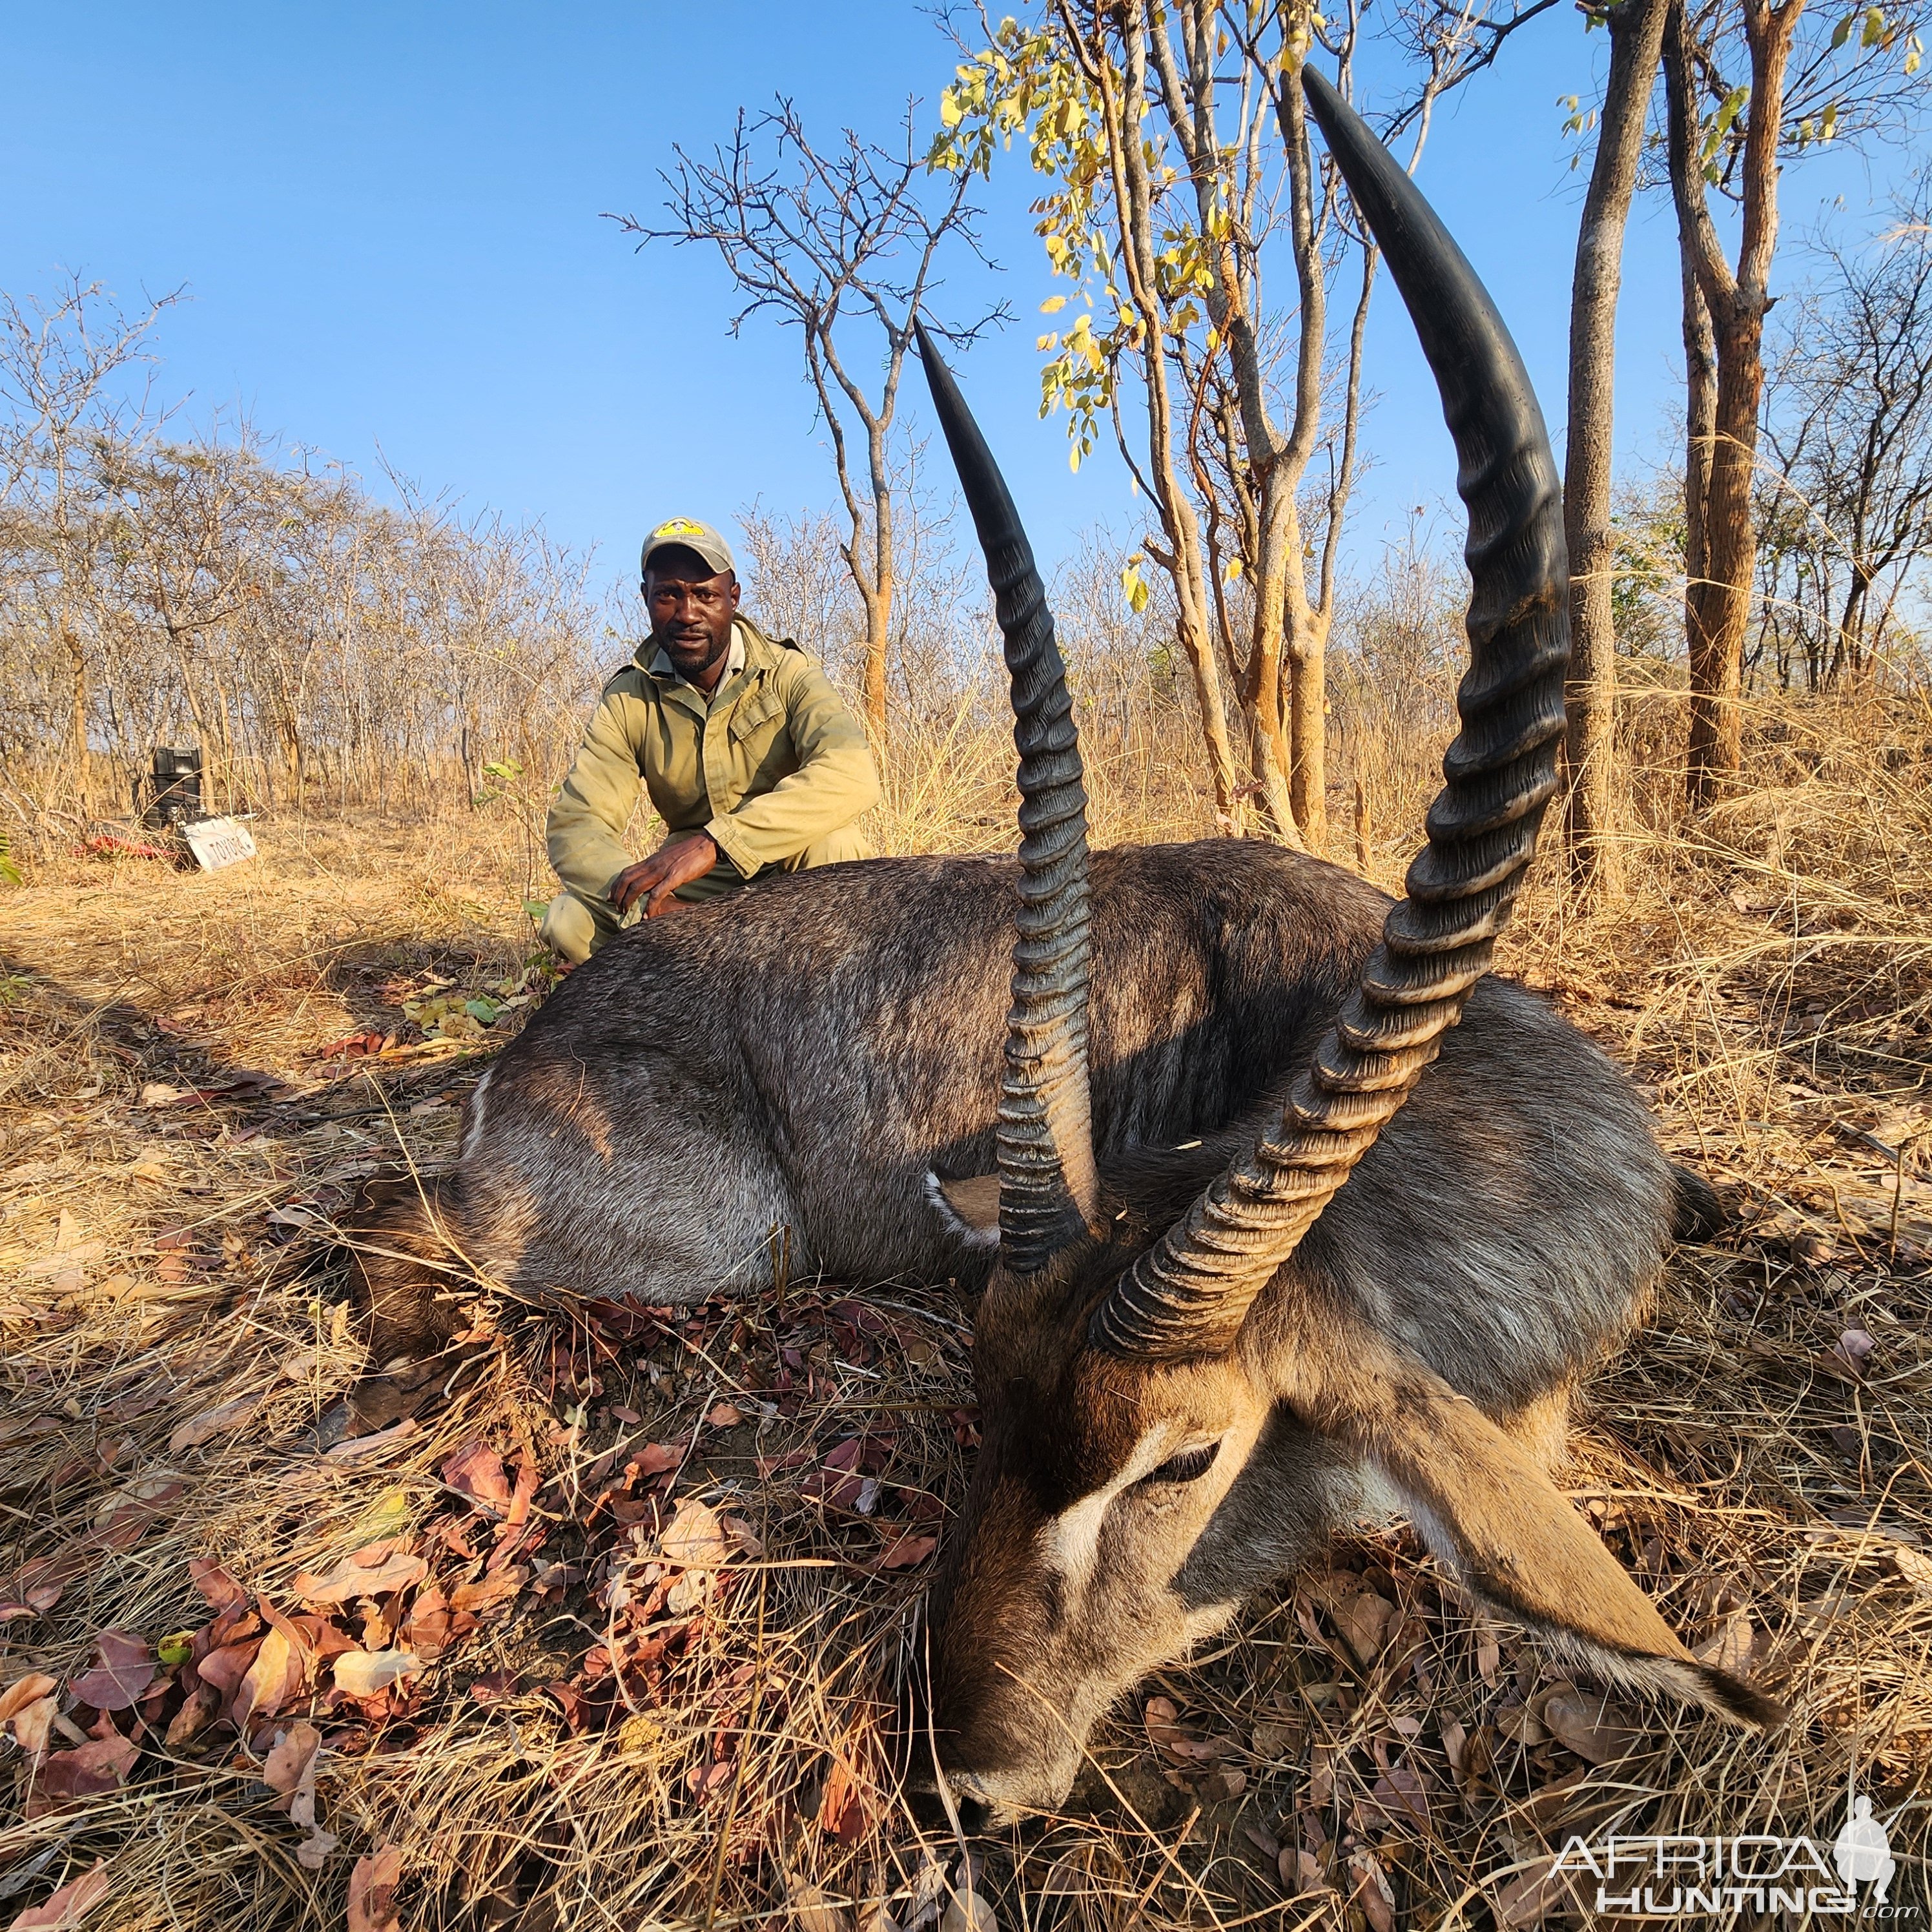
970, 1206
1486, 1507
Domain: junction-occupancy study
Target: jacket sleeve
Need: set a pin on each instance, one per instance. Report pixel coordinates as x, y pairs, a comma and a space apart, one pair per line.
584, 832
835, 782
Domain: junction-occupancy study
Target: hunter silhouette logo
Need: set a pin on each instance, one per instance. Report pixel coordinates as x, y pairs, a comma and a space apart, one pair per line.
1862, 1852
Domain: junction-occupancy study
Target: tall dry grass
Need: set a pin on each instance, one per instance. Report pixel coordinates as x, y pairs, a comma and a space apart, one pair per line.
1358, 1751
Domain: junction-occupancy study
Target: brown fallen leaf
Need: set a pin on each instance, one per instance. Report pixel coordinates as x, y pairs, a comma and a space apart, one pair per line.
274, 1677
64, 1910
907, 1548
372, 1892
1591, 1726
202, 1708
362, 1673
1399, 1797
724, 1415
1372, 1892
815, 1912
354, 1576
1362, 1620
476, 1471
211, 1423
216, 1585
223, 1670
1730, 1648
655, 1458
359, 1447
695, 1539
494, 1588
23, 1691
1915, 1569
124, 1668
290, 1758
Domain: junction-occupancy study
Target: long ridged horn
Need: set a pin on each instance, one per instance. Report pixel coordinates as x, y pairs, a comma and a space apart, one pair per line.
1189, 1295
1048, 1189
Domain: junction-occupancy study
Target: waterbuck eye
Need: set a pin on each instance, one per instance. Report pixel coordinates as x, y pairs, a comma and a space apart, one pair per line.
1187, 1467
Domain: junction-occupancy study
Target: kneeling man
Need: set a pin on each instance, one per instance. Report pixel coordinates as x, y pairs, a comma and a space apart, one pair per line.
750, 758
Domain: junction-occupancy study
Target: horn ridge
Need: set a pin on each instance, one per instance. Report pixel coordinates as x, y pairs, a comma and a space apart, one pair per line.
1189, 1294
1049, 1188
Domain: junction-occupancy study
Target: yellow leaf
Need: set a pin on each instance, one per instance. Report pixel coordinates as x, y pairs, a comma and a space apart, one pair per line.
1053, 305
948, 110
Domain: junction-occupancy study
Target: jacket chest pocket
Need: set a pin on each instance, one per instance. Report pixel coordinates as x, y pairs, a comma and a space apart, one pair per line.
756, 716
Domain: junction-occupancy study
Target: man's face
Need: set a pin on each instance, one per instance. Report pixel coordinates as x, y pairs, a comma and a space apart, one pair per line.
692, 607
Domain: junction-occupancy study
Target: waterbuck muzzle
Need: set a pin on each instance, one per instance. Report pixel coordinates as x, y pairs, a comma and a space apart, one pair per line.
1176, 1412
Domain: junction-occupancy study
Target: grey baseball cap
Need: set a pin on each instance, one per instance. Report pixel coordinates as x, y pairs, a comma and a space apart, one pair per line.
687, 533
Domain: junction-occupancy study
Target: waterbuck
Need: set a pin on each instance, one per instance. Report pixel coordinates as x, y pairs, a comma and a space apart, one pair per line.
1181, 1398
1185, 1373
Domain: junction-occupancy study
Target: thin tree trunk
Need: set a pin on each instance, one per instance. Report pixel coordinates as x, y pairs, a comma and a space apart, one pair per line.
1636, 40
1717, 607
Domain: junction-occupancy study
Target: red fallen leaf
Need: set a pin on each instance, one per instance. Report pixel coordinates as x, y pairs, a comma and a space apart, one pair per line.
654, 1459
216, 1585
909, 1547
1399, 1797
100, 1764
576, 1710
63, 1910
704, 1779
841, 1811
492, 1687
224, 1669
372, 1890
427, 1631
124, 1668
521, 1498
476, 1471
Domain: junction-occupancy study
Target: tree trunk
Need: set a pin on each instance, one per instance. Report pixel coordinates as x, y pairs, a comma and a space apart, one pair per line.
1636, 39
1717, 604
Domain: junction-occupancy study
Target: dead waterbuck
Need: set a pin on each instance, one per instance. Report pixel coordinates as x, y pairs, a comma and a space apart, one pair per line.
1181, 1398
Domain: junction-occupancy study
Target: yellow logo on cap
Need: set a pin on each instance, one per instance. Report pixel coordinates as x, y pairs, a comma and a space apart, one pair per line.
678, 526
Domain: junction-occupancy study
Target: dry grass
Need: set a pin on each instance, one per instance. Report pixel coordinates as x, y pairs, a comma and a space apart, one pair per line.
623, 1739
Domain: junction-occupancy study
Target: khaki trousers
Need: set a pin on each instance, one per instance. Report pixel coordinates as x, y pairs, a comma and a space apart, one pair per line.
574, 924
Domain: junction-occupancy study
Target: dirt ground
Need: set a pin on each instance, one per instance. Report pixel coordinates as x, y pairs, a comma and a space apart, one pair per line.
612, 1635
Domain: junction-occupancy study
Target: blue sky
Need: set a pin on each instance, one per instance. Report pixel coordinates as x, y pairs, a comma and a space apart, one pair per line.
389, 220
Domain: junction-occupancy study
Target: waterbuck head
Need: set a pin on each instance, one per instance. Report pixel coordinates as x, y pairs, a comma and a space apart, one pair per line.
1172, 1412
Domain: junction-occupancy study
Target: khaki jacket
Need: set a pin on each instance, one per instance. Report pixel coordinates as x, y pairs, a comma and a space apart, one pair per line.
773, 764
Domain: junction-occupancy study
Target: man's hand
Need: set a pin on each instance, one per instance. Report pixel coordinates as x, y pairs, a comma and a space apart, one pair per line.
655, 879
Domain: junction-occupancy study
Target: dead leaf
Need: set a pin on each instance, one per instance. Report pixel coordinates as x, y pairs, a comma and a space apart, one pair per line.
1372, 1892
100, 1764
1300, 1871
815, 1912
476, 1471
1915, 1569
1362, 1619
695, 1539
312, 1854
724, 1415
273, 1677
969, 1912
1399, 1797
215, 1584
362, 1673
33, 1724
655, 1458
374, 1572
372, 1892
63, 1910
124, 1668
909, 1548
290, 1758
1591, 1726
841, 1810
211, 1423
359, 1447
23, 1691
1533, 1895
1731, 1647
